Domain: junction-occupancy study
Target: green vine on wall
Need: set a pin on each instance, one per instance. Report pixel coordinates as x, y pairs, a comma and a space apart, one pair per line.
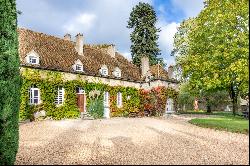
133, 100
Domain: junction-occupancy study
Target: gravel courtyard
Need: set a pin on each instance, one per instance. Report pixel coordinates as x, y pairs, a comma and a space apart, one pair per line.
128, 141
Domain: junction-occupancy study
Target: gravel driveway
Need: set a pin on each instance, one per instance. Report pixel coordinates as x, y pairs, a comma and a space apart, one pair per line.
128, 141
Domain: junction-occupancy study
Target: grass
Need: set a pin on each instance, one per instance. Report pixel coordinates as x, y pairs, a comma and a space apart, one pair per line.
222, 121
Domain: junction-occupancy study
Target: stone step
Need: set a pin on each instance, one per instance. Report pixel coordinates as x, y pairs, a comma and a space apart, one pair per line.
86, 116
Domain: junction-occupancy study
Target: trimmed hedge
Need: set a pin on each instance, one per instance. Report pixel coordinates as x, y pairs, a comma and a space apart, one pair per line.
9, 82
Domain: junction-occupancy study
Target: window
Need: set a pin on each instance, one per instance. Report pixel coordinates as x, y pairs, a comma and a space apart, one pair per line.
79, 90
79, 67
106, 98
104, 70
34, 95
32, 57
60, 96
33, 60
117, 72
119, 99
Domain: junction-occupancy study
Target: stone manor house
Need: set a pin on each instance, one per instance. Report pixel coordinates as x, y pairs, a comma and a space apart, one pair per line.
94, 63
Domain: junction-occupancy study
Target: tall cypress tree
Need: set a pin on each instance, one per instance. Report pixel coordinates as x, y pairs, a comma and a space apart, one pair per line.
9, 82
144, 36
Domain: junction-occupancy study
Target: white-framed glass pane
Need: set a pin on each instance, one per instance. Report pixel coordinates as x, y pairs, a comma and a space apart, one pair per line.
106, 98
104, 72
119, 99
33, 60
60, 96
79, 67
34, 96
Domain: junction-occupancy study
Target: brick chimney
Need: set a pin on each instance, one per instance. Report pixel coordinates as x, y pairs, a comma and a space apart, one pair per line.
67, 37
170, 72
79, 43
145, 66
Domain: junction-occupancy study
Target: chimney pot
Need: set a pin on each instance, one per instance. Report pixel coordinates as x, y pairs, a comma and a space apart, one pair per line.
79, 43
67, 37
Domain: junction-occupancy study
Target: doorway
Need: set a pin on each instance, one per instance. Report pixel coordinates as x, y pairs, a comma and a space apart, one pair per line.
81, 99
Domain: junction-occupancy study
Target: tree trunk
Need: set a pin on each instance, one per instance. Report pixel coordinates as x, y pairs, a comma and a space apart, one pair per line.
234, 96
208, 106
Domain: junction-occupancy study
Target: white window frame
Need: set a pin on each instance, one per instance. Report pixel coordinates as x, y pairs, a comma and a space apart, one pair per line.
78, 67
32, 56
106, 99
32, 96
119, 100
104, 71
117, 72
60, 96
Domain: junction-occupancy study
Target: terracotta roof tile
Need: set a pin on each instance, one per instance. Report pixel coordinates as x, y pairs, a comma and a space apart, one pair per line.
60, 54
56, 53
163, 74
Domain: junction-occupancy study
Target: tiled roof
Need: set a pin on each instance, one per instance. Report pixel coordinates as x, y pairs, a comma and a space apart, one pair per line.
162, 74
59, 54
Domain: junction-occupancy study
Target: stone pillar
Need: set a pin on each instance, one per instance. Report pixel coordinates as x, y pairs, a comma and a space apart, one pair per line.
79, 43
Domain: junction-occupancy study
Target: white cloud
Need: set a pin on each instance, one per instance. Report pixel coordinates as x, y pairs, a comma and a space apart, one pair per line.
166, 39
127, 55
81, 23
191, 8
100, 21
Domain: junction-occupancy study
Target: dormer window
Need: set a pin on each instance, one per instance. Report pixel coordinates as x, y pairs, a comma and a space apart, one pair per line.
117, 72
104, 70
32, 58
78, 66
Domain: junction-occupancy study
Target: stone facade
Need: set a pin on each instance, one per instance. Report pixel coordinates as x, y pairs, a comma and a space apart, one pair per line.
114, 82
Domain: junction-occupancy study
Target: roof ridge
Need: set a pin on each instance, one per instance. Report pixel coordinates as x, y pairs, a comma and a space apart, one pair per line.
43, 34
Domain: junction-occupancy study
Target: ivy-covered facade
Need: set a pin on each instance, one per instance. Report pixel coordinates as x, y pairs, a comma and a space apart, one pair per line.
64, 79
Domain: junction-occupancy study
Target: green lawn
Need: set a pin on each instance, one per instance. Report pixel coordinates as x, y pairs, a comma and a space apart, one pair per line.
223, 121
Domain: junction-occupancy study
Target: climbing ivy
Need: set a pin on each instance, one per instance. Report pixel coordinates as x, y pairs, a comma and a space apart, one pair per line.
48, 81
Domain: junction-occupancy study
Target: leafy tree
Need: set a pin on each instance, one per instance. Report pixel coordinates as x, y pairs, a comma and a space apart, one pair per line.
9, 82
211, 100
144, 36
217, 53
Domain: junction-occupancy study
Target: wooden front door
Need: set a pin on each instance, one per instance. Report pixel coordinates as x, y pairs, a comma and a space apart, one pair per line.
80, 102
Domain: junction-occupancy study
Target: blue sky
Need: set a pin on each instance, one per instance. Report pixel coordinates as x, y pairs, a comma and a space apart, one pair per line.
104, 21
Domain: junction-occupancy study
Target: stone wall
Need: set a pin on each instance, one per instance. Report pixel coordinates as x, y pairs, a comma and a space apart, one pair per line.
112, 82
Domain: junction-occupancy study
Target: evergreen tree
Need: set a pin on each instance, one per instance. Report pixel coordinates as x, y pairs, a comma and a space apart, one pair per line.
9, 82
144, 36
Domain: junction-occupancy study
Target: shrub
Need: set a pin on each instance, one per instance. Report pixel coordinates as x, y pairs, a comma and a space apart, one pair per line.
96, 107
9, 83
